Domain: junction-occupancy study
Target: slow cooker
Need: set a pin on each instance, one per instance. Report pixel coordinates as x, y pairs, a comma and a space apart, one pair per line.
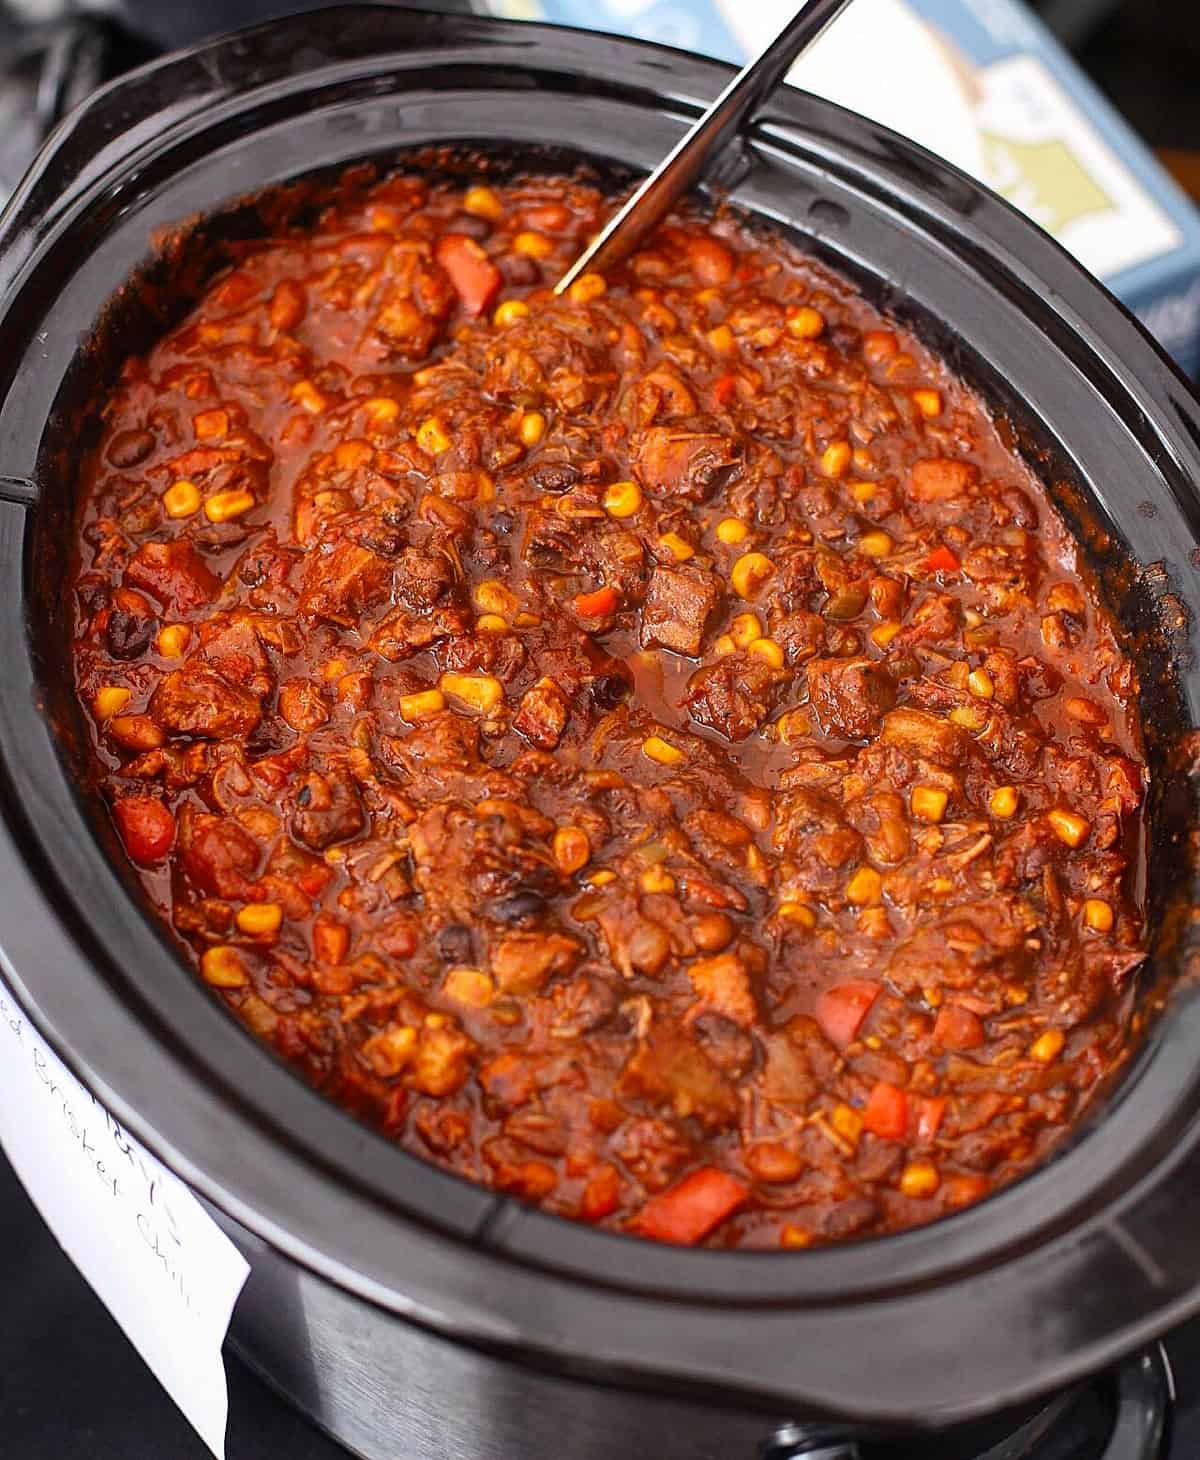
409, 1311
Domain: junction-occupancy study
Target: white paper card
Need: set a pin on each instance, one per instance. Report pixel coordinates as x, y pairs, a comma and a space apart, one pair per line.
156, 1259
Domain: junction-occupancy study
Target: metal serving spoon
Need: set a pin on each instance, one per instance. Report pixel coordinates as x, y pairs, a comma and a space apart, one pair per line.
692, 153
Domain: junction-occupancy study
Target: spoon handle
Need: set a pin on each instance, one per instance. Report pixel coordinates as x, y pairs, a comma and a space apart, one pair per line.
690, 155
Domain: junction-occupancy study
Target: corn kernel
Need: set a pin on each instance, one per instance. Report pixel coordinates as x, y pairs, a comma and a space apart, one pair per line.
1004, 802
721, 340
225, 506
532, 428
679, 547
419, 706
919, 1178
883, 634
864, 491
731, 531
875, 544
929, 802
382, 410
306, 394
350, 455
527, 620
835, 458
806, 323
622, 499
587, 287
491, 596
798, 912
572, 850
431, 437
110, 701
491, 623
979, 682
745, 630
1047, 1047
509, 312
928, 402
968, 716
181, 499
792, 726
723, 646
1070, 827
865, 887
469, 986
792, 1236
482, 202
657, 879
222, 967
656, 748
483, 692
847, 1122
749, 574
208, 425
601, 878
173, 640
1098, 915
768, 651
260, 919
533, 245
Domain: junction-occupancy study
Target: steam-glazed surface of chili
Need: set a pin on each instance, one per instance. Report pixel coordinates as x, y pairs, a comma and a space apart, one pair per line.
652, 751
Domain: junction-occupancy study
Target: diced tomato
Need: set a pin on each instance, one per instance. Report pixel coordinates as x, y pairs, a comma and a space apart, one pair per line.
597, 604
957, 1028
962, 1189
475, 278
841, 1010
147, 828
724, 389
942, 560
395, 1110
174, 573
691, 1208
601, 1194
886, 1112
930, 1110
313, 880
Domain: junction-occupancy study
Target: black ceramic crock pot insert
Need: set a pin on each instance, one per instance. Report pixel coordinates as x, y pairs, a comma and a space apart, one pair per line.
1050, 1279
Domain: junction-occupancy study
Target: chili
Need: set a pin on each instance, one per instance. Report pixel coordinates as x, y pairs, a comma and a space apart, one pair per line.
653, 751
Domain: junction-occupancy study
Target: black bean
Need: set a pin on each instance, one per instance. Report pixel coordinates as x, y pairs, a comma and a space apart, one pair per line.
455, 944
468, 223
552, 476
608, 690
127, 448
519, 270
519, 909
503, 522
127, 635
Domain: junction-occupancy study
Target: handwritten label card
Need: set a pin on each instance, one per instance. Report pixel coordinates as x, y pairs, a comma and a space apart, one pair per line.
156, 1259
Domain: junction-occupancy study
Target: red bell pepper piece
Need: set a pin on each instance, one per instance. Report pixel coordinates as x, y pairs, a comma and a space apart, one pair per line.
886, 1112
147, 828
724, 389
601, 1195
957, 1028
691, 1208
475, 278
841, 1010
597, 604
942, 560
930, 1110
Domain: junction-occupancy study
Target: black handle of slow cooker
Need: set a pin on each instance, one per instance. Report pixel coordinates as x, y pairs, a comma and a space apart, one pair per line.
1145, 1393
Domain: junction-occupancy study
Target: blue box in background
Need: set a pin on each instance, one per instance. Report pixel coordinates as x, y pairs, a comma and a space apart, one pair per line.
983, 84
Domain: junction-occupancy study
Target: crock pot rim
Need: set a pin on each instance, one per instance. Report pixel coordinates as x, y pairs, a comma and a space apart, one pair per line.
494, 1220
